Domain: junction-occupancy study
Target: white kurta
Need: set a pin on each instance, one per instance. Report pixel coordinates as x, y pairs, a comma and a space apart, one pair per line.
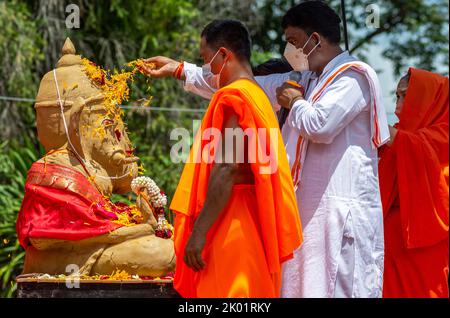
338, 197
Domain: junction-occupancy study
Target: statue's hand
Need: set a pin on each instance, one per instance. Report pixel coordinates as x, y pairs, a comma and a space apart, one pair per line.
143, 204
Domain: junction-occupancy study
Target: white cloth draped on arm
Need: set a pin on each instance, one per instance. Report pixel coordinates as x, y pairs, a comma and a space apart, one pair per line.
324, 120
196, 84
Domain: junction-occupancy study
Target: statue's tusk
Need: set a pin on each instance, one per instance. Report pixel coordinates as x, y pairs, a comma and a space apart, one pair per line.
120, 159
129, 160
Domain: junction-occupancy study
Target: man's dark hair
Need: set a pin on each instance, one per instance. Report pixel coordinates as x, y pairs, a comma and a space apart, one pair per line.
272, 66
231, 34
314, 16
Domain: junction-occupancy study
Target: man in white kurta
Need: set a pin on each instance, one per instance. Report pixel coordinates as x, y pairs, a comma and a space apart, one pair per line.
340, 121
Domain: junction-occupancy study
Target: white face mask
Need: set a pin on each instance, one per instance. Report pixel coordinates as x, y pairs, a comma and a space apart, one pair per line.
297, 58
213, 80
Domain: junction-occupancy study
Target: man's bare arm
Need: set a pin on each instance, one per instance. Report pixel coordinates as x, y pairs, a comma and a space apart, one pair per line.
223, 177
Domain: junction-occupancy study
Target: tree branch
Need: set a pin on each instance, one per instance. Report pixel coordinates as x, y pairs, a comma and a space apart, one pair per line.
392, 21
367, 38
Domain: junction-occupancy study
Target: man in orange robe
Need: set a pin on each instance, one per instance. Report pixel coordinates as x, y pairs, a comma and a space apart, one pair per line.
414, 189
236, 222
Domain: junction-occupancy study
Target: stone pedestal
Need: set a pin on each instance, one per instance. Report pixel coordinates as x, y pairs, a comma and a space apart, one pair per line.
57, 288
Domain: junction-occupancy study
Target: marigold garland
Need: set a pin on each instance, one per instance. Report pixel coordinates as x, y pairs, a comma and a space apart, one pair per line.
115, 89
115, 275
158, 201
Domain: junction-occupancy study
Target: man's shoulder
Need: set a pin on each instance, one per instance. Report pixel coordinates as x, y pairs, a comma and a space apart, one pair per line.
353, 72
249, 93
357, 66
243, 88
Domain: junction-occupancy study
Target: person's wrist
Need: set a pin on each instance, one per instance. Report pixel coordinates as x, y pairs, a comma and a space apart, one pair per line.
294, 100
178, 71
199, 230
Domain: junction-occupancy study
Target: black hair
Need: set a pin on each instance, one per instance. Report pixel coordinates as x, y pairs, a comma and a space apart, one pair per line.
314, 16
231, 34
272, 66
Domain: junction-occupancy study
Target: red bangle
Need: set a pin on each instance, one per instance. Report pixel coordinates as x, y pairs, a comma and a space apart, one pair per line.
297, 85
179, 70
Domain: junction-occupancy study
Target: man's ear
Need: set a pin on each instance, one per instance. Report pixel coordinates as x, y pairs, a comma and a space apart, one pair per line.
317, 39
74, 125
226, 54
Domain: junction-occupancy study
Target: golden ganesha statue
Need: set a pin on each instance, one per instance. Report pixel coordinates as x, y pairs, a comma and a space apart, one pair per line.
66, 216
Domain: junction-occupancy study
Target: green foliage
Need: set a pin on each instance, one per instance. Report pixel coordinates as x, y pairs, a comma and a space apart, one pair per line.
14, 164
411, 32
20, 46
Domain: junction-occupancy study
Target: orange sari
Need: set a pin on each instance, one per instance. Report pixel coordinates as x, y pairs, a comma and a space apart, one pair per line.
259, 228
414, 191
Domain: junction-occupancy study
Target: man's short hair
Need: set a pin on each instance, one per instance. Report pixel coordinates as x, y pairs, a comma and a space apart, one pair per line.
314, 16
231, 34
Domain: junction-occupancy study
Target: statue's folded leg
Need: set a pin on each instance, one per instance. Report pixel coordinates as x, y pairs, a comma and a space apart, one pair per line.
144, 256
57, 261
53, 256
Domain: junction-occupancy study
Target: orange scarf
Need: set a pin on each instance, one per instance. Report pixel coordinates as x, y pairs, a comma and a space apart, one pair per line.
415, 168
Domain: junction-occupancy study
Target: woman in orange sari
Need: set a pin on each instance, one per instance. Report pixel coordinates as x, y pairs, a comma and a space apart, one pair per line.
413, 172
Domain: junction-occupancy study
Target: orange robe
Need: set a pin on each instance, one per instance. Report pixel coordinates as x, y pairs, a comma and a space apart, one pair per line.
414, 191
259, 228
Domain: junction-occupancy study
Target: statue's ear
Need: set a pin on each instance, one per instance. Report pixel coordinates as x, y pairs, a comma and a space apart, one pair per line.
74, 124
